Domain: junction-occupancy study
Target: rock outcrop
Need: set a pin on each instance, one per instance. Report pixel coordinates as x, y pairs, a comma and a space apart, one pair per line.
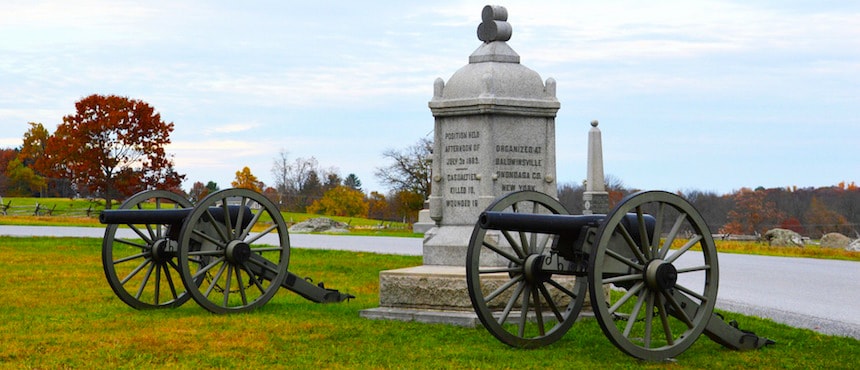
319, 225
783, 237
835, 240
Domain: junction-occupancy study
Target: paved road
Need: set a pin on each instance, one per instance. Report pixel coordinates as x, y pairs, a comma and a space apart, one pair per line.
822, 295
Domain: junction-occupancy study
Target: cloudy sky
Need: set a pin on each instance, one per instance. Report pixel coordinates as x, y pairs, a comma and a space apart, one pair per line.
707, 95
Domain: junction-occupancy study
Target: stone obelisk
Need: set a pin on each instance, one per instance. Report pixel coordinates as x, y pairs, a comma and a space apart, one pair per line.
494, 133
595, 198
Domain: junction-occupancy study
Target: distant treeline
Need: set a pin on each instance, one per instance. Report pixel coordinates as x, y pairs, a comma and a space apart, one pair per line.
811, 212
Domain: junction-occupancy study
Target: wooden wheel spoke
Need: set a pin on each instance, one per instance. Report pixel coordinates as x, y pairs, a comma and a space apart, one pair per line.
241, 286
144, 281
130, 258
215, 225
618, 279
261, 234
624, 260
148, 239
503, 288
524, 312
239, 217
634, 315
157, 282
673, 233
702, 299
519, 249
630, 293
645, 245
253, 279
227, 281
658, 229
631, 243
495, 270
247, 230
133, 244
511, 302
214, 282
136, 270
689, 244
649, 318
678, 310
170, 283
208, 252
542, 245
508, 256
664, 319
219, 243
564, 290
694, 269
538, 311
206, 268
550, 302
228, 220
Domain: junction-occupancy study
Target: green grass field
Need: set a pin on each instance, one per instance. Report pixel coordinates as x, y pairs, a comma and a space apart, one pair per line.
57, 311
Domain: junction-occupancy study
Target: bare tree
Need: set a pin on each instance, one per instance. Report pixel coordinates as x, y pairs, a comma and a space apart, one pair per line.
410, 170
281, 172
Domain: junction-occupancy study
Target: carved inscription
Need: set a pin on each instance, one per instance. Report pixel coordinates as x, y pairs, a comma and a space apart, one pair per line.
518, 167
460, 160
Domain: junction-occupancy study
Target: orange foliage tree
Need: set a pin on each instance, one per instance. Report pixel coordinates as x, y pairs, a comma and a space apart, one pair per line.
822, 220
246, 180
113, 146
340, 201
752, 213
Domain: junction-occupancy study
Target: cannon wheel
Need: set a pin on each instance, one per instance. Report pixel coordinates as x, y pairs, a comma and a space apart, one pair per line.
236, 271
499, 266
143, 271
664, 293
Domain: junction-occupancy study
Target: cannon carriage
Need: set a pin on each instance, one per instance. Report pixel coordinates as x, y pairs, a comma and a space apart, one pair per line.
230, 252
648, 268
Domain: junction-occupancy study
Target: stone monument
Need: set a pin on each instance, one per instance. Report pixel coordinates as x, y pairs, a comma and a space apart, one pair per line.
595, 199
494, 134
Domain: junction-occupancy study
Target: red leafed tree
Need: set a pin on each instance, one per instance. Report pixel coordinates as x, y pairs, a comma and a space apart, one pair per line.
113, 146
752, 213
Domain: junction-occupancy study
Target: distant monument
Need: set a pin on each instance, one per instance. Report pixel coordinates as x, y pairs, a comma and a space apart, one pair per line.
494, 134
595, 199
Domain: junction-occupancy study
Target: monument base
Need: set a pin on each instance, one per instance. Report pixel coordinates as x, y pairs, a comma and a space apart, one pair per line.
446, 245
424, 224
429, 294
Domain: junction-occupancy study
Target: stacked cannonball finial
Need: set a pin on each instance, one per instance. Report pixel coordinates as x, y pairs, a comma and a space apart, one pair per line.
494, 25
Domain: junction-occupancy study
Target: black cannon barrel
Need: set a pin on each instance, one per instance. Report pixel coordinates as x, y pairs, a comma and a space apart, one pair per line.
144, 216
557, 224
169, 216
537, 223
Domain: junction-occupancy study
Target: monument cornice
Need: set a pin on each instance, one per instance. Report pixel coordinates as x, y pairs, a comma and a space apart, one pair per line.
495, 105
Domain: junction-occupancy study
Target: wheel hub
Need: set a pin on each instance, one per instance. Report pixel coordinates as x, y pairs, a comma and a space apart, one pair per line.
238, 252
533, 271
661, 275
162, 250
